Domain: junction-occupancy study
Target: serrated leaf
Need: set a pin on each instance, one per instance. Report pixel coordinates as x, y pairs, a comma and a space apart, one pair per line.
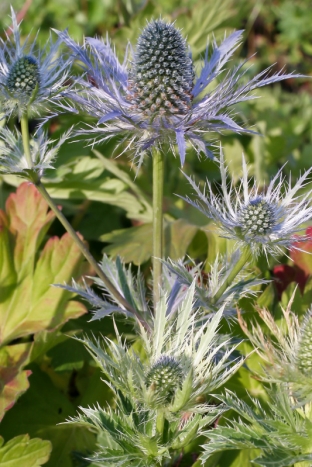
14, 381
24, 451
28, 303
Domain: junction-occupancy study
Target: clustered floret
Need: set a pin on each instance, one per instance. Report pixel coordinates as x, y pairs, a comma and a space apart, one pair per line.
257, 217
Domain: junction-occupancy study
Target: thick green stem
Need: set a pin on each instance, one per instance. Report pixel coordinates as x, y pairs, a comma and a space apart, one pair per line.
83, 248
243, 259
25, 136
158, 189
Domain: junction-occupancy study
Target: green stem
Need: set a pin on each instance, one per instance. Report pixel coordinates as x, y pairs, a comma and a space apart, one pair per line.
160, 421
25, 137
158, 189
243, 259
83, 248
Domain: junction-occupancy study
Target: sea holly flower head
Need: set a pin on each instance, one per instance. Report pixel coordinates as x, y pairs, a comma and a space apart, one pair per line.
263, 220
30, 78
154, 96
165, 377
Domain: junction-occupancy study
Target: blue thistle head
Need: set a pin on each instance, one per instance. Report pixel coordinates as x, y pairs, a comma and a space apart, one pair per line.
162, 76
24, 76
257, 217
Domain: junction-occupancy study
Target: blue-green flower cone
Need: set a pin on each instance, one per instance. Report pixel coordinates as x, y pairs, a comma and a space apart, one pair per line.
162, 75
24, 76
165, 377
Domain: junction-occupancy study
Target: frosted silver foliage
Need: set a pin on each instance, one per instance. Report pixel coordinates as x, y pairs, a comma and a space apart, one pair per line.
264, 220
285, 350
154, 96
31, 79
43, 152
276, 436
166, 384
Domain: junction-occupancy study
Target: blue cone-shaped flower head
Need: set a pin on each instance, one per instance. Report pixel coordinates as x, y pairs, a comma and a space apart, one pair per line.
154, 97
30, 78
162, 75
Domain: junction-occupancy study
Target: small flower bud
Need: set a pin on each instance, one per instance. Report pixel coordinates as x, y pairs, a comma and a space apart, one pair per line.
165, 377
24, 76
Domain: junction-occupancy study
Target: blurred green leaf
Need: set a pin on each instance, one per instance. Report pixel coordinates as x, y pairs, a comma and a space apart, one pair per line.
24, 451
134, 245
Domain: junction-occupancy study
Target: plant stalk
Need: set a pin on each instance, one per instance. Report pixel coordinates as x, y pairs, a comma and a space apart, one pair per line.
25, 137
158, 190
243, 259
83, 248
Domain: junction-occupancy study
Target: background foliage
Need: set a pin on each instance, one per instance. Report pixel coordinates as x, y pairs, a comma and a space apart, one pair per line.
113, 213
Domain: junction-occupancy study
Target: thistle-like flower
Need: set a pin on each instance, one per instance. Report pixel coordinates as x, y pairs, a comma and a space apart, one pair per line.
30, 78
165, 386
154, 97
265, 221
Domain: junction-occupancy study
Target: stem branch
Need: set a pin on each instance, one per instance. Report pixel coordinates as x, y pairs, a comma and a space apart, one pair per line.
25, 137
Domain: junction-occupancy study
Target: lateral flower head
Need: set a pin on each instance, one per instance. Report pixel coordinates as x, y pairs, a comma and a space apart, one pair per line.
165, 377
29, 78
156, 98
265, 221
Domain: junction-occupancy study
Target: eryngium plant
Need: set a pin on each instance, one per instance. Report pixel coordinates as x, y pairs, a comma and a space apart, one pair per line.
280, 435
30, 78
162, 394
154, 96
263, 221
285, 349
